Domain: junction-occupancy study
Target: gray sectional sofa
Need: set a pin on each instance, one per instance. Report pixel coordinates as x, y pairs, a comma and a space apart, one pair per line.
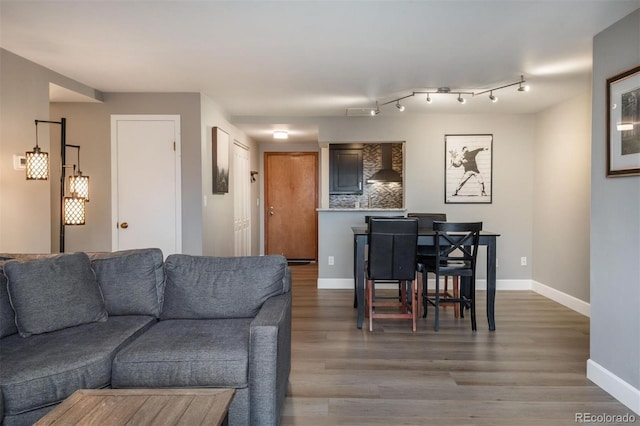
129, 320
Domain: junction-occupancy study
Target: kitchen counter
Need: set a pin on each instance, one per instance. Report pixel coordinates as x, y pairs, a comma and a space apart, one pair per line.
361, 210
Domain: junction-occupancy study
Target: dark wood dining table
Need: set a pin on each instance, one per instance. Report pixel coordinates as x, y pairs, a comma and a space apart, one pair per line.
426, 237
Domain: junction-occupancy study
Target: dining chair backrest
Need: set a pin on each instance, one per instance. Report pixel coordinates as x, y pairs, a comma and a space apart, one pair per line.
392, 248
367, 218
425, 220
457, 244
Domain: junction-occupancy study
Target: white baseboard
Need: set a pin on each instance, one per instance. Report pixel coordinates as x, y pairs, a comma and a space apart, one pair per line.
613, 385
347, 283
567, 300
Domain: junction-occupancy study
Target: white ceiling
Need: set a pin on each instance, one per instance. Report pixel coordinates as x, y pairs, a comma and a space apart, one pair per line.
318, 58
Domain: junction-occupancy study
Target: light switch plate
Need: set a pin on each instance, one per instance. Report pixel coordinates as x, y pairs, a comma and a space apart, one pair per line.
19, 162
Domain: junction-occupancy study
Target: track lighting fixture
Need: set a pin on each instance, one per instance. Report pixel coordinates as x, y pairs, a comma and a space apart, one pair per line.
447, 91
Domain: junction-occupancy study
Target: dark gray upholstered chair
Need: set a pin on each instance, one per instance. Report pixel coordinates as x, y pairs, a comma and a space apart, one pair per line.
456, 254
425, 221
392, 256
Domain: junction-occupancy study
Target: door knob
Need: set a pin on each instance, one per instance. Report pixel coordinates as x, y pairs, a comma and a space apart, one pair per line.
124, 225
271, 212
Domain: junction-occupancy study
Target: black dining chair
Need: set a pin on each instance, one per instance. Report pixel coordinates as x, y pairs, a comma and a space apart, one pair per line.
456, 253
426, 253
367, 218
392, 257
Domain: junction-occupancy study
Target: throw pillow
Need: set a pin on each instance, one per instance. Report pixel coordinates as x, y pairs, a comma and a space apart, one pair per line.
54, 293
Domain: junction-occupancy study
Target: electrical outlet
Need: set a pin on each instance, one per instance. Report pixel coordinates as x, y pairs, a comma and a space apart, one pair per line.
331, 261
523, 261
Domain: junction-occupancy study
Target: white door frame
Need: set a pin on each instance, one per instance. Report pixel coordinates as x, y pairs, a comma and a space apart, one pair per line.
241, 202
114, 171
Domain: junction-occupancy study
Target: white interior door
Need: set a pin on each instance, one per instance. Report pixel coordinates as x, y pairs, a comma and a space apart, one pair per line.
241, 199
145, 177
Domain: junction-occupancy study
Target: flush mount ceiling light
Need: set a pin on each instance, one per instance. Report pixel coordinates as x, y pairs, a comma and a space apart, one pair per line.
448, 91
280, 134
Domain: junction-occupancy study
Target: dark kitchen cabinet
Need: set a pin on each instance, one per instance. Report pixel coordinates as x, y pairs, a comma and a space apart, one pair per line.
345, 170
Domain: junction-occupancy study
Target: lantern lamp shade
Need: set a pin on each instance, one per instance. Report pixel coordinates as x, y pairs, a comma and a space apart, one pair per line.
80, 185
37, 164
74, 210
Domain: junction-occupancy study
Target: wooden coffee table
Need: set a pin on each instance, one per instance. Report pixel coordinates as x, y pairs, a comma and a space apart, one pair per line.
142, 407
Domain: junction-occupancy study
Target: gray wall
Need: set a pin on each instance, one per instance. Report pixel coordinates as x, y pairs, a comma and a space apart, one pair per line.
25, 220
88, 125
511, 211
217, 214
29, 211
561, 196
615, 223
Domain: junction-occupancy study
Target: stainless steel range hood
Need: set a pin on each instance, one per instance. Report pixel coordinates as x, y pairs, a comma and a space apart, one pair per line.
386, 174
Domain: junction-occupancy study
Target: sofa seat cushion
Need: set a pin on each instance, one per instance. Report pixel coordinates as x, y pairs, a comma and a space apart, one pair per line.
186, 353
44, 369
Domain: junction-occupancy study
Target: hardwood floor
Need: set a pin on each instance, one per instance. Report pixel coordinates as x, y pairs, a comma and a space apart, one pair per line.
530, 371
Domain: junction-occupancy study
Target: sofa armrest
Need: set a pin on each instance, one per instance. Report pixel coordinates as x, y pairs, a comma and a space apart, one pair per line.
269, 360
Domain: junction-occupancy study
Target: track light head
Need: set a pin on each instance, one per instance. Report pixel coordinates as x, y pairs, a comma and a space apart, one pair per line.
493, 98
524, 88
428, 99
400, 107
461, 99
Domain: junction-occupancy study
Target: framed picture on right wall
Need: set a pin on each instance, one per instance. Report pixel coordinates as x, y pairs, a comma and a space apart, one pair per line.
468, 175
623, 124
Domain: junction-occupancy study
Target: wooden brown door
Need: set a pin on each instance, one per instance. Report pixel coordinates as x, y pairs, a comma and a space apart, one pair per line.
291, 194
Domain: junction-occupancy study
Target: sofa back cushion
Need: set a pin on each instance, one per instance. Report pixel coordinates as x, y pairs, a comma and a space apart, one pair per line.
7, 316
132, 281
221, 287
53, 293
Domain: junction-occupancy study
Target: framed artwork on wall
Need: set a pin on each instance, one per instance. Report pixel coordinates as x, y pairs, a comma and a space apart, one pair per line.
468, 175
623, 124
220, 160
